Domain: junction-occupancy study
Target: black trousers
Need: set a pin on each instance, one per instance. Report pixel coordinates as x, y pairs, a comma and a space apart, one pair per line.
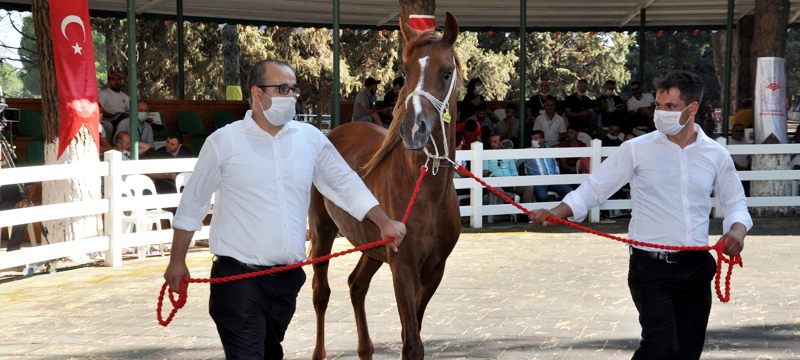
252, 315
674, 300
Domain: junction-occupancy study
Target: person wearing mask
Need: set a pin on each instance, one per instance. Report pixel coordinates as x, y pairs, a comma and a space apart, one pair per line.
673, 172
551, 124
473, 99
580, 109
610, 104
542, 166
262, 169
143, 128
640, 109
538, 102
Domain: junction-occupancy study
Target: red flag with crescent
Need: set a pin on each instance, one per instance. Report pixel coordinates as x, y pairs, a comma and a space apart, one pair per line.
421, 22
76, 75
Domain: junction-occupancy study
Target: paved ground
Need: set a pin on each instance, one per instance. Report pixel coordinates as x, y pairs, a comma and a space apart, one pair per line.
505, 295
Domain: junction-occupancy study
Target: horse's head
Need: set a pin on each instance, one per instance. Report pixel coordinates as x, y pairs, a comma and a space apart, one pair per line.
432, 77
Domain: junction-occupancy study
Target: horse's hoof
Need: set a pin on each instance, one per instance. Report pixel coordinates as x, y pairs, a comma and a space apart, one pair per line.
318, 355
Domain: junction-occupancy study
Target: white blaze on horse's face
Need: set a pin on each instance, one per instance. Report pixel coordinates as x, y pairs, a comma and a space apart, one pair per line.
416, 98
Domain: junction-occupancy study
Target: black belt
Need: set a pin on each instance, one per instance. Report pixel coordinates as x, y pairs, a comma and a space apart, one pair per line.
671, 257
227, 260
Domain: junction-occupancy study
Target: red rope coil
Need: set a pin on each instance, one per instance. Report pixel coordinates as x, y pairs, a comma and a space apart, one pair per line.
183, 294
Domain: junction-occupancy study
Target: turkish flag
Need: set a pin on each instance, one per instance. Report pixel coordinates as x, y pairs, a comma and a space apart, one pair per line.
420, 23
75, 72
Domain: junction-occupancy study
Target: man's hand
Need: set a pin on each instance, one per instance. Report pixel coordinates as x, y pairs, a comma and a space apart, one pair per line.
22, 204
734, 240
540, 217
176, 270
395, 230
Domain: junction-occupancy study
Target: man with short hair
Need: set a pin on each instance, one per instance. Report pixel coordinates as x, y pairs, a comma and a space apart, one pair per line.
115, 104
143, 127
580, 108
536, 104
364, 105
640, 108
172, 149
122, 143
542, 166
550, 124
672, 173
262, 169
610, 104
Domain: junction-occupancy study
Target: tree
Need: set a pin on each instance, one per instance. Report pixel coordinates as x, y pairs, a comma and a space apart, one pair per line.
231, 52
769, 40
82, 148
495, 68
9, 80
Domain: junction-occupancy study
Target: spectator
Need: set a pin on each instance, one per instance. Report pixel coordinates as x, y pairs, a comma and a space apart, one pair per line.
114, 103
580, 109
640, 108
611, 106
542, 166
710, 127
500, 167
745, 115
172, 149
613, 136
463, 194
551, 124
122, 143
390, 99
537, 103
364, 105
10, 198
570, 165
471, 132
485, 120
144, 129
507, 124
472, 99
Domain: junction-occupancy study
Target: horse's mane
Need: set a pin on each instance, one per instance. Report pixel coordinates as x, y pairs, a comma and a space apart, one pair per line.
392, 138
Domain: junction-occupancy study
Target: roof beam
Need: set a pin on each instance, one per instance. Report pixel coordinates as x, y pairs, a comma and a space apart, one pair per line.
145, 7
635, 12
388, 17
794, 16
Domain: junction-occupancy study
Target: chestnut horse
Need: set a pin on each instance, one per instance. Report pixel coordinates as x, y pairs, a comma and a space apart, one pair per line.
390, 170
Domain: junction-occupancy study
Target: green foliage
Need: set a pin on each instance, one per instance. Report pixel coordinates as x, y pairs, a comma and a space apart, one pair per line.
793, 62
9, 80
494, 68
29, 74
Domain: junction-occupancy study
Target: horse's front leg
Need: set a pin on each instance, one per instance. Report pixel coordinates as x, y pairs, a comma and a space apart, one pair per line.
406, 280
359, 281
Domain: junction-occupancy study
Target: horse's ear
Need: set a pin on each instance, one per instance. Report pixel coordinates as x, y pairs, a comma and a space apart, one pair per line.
450, 29
406, 30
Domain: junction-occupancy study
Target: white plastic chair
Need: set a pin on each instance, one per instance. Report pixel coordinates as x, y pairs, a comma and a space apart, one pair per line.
31, 233
181, 180
141, 216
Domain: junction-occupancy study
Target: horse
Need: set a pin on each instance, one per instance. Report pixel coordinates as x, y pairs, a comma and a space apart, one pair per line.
389, 161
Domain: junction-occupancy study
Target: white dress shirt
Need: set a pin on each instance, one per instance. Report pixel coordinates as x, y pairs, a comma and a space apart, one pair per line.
114, 102
263, 187
634, 104
670, 188
552, 128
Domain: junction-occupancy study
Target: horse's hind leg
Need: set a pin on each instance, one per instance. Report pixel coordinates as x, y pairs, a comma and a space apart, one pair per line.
359, 284
322, 233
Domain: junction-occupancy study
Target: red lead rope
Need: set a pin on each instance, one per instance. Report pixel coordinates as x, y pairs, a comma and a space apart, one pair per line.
718, 247
184, 285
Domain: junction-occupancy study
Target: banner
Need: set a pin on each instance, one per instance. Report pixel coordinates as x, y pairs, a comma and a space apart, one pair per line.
76, 75
421, 22
770, 103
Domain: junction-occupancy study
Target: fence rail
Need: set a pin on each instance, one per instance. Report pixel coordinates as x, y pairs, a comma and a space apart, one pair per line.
112, 241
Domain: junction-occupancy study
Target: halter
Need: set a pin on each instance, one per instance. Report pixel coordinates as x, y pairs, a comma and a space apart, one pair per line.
441, 107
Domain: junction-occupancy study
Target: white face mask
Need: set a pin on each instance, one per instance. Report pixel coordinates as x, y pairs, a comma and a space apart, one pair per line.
669, 122
535, 144
282, 110
478, 89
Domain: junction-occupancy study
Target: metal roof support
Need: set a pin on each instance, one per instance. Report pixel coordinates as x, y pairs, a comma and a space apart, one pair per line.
726, 88
181, 50
523, 67
642, 43
144, 8
632, 14
132, 92
336, 92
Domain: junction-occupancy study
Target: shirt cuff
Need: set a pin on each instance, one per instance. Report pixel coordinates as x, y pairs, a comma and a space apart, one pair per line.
186, 223
579, 210
742, 217
362, 204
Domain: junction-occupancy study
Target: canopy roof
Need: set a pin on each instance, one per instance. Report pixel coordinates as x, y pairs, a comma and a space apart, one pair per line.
471, 14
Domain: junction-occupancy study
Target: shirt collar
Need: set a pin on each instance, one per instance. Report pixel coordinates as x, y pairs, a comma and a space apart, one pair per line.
701, 136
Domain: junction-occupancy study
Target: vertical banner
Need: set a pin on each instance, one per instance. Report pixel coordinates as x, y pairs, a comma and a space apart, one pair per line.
770, 106
76, 75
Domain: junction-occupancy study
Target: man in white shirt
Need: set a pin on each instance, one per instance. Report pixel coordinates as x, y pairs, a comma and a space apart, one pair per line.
551, 124
262, 169
640, 108
672, 173
114, 102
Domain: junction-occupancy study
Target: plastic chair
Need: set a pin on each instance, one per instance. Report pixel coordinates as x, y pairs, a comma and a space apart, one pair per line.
31, 233
181, 180
141, 216
189, 122
35, 153
222, 118
30, 124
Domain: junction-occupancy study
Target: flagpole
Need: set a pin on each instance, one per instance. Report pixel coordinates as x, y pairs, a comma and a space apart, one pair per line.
132, 93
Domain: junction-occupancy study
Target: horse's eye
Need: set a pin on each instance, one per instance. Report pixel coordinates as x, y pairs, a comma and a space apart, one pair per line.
447, 74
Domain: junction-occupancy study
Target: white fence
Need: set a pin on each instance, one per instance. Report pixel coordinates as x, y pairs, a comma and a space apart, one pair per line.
112, 205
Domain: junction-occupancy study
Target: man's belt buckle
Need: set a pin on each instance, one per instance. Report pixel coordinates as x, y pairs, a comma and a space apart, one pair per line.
670, 257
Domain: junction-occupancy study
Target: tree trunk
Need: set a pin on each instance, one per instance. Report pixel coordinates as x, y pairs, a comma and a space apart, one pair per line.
769, 40
747, 68
82, 149
231, 52
416, 7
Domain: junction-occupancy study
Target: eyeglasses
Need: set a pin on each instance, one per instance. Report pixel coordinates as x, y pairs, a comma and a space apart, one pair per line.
283, 89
